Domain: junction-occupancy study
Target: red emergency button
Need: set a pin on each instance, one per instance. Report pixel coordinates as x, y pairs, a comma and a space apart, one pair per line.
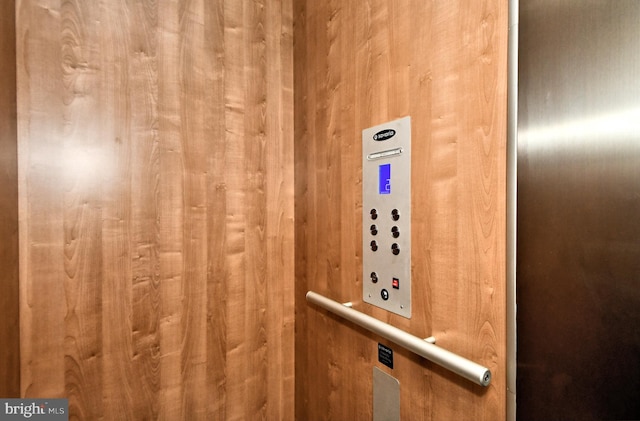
395, 283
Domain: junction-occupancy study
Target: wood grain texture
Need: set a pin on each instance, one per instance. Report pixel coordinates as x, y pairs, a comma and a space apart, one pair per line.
358, 64
156, 207
9, 286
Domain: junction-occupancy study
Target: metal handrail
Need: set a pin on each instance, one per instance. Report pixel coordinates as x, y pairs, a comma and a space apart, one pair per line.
452, 362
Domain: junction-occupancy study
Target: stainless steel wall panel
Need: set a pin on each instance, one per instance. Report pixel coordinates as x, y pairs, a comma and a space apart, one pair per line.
578, 258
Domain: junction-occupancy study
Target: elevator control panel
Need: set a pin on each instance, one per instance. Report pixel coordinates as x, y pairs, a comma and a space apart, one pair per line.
386, 216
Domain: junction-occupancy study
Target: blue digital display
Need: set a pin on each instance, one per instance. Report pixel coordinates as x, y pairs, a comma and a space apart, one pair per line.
384, 180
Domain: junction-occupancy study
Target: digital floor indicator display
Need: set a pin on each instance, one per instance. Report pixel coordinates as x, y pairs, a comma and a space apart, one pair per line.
384, 182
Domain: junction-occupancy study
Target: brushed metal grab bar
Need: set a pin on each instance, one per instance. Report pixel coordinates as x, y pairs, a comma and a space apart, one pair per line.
452, 362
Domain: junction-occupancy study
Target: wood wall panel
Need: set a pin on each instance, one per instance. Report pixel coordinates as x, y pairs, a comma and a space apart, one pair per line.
358, 64
9, 287
156, 207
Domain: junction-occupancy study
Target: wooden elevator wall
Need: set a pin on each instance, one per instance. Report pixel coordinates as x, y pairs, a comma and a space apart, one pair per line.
155, 143
9, 331
359, 64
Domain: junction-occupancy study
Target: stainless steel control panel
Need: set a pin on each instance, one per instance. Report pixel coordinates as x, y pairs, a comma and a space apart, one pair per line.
386, 216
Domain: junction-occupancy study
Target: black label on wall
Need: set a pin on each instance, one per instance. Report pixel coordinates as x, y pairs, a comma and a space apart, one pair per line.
385, 355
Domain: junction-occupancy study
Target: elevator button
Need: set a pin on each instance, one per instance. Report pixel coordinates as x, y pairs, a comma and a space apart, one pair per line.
395, 215
374, 214
373, 229
384, 294
374, 277
395, 232
395, 249
374, 245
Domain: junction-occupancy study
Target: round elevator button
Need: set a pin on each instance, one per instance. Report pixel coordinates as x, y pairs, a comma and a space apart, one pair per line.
384, 294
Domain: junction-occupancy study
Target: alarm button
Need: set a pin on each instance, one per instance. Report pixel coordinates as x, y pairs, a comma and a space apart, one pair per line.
384, 294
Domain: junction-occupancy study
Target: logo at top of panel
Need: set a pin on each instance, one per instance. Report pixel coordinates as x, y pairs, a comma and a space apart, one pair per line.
385, 134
